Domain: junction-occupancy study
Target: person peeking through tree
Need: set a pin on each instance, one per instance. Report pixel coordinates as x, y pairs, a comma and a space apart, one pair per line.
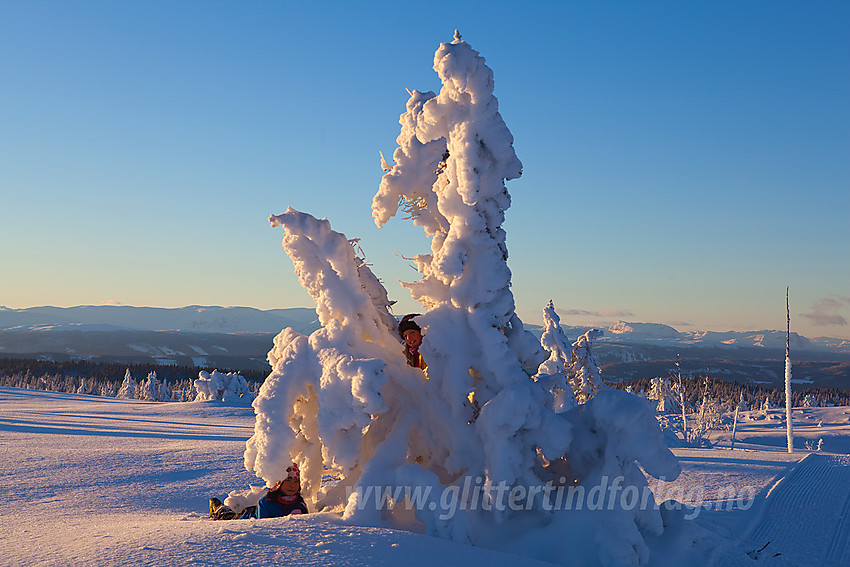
412, 335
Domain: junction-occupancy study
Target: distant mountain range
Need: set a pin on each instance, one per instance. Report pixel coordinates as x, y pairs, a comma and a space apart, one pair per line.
656, 333
194, 318
240, 337
209, 337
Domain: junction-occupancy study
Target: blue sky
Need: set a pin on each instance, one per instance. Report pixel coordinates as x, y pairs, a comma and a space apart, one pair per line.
684, 162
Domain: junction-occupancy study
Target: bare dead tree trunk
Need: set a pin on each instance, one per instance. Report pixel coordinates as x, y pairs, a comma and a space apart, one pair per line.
734, 428
789, 426
682, 401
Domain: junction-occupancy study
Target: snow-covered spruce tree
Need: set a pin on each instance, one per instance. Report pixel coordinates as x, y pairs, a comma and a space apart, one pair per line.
344, 402
149, 388
83, 388
553, 373
165, 394
664, 394
108, 388
584, 370
128, 386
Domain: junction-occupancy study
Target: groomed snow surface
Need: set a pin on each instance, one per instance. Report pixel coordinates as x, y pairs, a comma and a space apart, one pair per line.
88, 480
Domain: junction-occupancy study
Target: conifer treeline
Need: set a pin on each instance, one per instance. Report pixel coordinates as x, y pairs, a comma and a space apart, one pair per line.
754, 395
101, 378
106, 377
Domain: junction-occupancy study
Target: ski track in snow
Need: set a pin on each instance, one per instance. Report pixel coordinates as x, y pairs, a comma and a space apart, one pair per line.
816, 493
804, 519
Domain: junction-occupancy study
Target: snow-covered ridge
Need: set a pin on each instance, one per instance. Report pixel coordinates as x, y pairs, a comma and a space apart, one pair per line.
217, 319
194, 318
643, 330
665, 335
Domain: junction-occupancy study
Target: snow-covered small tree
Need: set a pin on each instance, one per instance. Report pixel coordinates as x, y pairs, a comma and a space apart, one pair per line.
108, 389
165, 394
149, 388
661, 392
128, 386
218, 386
584, 369
553, 373
184, 391
809, 401
710, 417
83, 388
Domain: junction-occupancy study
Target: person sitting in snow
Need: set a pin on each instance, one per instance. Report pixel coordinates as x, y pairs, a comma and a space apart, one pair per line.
283, 499
412, 335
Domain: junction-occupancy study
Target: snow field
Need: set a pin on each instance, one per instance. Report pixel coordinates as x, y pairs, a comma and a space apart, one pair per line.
107, 481
104, 481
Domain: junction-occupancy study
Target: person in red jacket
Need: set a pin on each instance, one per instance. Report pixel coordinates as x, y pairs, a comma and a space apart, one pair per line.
283, 499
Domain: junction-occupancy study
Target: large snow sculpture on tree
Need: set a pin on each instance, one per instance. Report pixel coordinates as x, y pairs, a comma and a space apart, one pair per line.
409, 448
